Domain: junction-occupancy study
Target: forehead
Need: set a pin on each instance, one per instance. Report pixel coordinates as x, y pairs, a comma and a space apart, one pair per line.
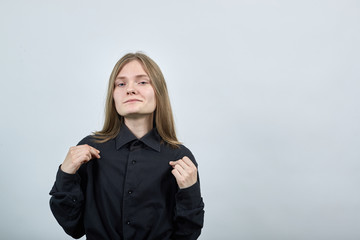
132, 68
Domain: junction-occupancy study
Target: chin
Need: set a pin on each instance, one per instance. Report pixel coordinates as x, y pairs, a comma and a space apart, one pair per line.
137, 114
129, 112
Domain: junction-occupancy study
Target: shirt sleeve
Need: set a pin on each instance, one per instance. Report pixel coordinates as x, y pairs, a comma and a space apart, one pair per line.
189, 210
67, 203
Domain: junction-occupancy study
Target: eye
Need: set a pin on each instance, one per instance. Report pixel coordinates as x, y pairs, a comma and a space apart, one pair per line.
121, 84
143, 82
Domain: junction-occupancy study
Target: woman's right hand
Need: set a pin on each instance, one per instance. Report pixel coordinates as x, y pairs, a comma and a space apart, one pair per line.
77, 156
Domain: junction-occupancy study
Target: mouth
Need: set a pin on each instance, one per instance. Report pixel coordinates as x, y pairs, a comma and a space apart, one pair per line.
132, 100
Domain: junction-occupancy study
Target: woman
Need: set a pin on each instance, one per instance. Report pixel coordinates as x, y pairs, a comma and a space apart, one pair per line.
132, 179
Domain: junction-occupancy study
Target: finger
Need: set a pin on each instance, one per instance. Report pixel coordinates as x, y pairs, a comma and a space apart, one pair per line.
188, 161
78, 150
181, 170
88, 149
176, 174
85, 146
94, 152
183, 165
173, 163
82, 157
85, 153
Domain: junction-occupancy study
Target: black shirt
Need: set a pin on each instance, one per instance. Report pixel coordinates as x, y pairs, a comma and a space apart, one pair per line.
129, 193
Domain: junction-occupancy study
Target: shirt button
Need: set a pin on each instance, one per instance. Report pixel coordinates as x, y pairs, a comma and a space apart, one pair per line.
128, 222
130, 191
133, 162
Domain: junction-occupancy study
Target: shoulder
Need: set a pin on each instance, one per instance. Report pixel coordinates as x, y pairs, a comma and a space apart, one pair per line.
180, 152
94, 142
186, 151
89, 140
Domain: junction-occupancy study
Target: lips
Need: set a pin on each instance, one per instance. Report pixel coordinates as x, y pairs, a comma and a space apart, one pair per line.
132, 100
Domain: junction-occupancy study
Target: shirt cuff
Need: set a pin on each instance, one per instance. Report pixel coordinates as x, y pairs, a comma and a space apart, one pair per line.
189, 198
66, 182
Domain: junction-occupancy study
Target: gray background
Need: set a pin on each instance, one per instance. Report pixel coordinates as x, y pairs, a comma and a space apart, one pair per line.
265, 93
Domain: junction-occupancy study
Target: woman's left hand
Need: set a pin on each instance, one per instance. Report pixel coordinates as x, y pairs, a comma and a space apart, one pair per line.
185, 172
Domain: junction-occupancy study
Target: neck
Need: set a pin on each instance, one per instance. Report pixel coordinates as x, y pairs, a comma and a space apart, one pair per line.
139, 126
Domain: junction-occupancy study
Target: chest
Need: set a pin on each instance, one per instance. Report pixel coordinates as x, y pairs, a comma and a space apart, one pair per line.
126, 170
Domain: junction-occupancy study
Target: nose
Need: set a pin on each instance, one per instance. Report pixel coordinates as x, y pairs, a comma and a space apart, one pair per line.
130, 89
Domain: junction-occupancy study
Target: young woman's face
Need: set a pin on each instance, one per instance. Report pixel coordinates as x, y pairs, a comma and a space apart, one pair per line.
134, 95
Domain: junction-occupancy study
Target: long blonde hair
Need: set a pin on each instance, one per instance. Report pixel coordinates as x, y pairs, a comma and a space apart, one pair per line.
163, 116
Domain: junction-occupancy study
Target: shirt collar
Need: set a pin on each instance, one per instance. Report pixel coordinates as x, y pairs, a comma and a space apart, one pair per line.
152, 139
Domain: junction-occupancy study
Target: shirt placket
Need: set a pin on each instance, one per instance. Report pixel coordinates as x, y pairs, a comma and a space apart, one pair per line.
129, 188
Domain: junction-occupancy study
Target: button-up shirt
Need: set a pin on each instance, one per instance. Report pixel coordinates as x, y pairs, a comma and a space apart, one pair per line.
128, 193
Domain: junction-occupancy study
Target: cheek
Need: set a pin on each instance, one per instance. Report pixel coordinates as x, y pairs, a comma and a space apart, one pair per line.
117, 98
153, 99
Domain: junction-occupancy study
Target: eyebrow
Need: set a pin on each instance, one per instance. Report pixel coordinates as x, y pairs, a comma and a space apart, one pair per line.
136, 76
